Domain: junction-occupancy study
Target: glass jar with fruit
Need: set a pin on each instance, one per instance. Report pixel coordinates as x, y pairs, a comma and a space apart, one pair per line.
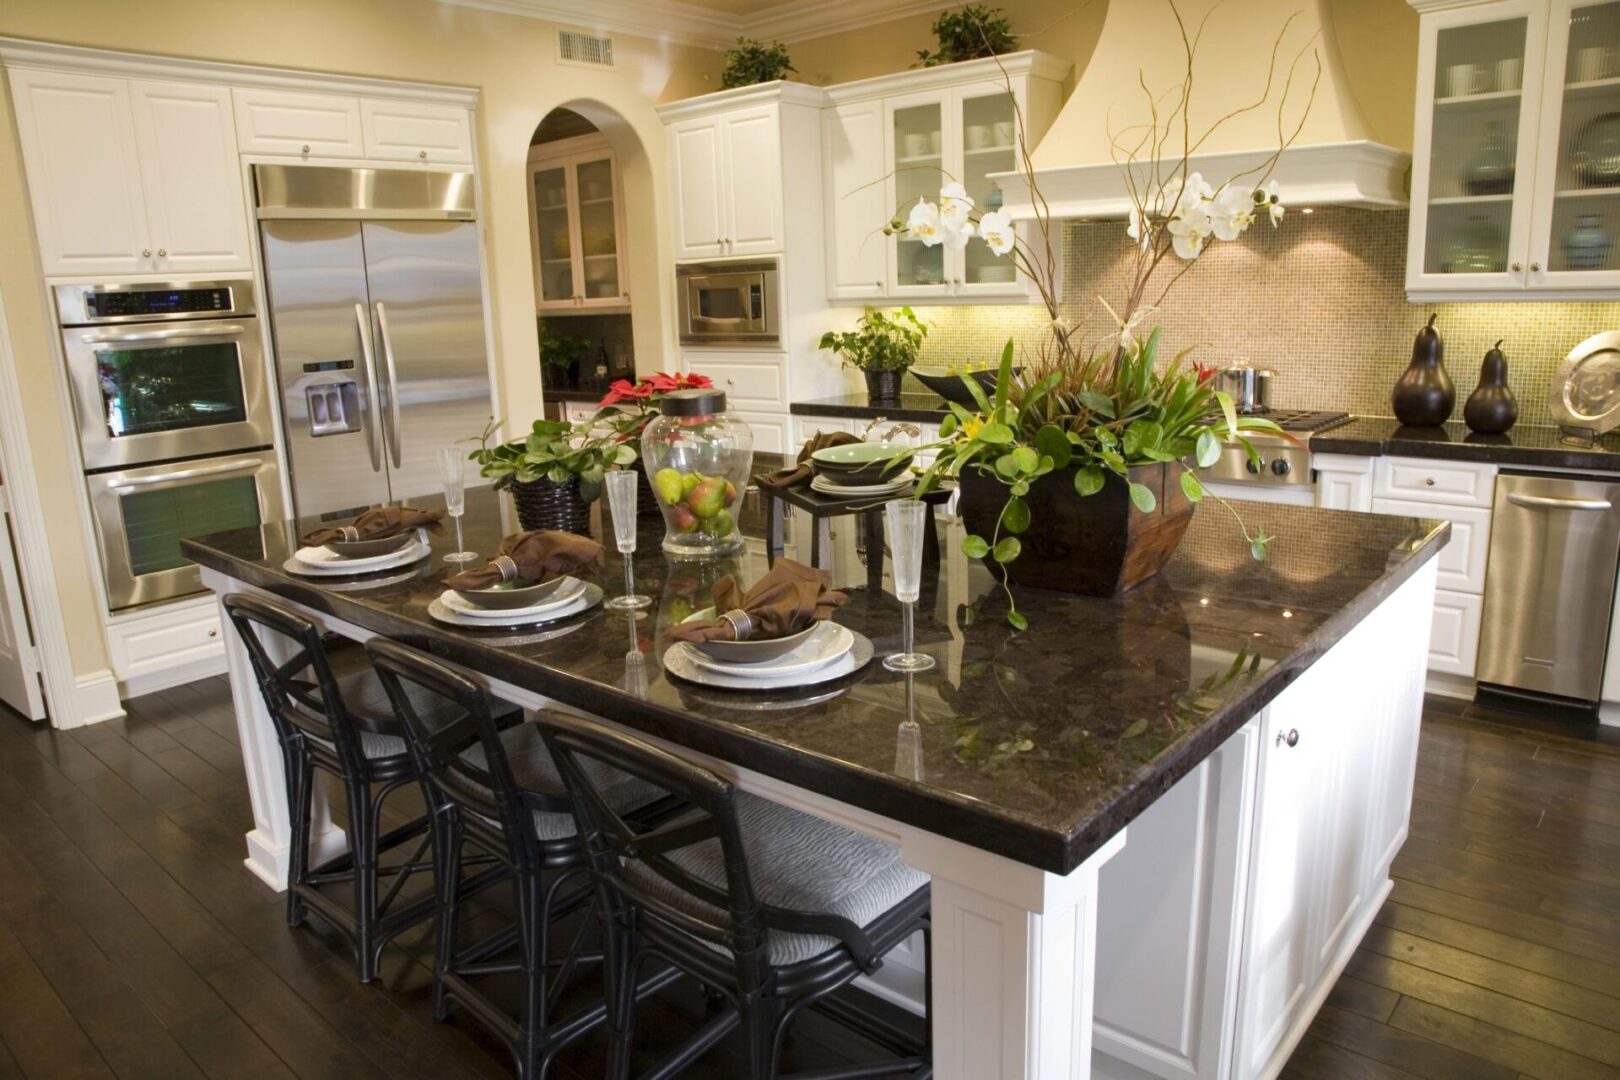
698, 457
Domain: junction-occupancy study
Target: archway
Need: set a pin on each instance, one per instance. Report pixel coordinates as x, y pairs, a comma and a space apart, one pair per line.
593, 239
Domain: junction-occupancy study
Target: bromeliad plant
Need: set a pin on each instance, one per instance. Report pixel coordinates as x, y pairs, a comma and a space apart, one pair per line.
554, 450
1098, 408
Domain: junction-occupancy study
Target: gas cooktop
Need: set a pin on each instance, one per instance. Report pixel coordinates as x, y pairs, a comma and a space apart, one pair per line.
1303, 419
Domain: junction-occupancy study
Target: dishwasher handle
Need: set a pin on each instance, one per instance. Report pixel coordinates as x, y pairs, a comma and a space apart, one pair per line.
1547, 502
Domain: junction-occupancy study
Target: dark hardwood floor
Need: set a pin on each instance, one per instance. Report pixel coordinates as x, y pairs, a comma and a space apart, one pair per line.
133, 943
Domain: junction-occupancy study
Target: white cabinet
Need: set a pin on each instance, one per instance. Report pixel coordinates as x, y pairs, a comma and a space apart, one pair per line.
293, 122
770, 430
1511, 195
1343, 481
576, 207
193, 184
129, 176
727, 176
416, 131
166, 645
1454, 635
891, 141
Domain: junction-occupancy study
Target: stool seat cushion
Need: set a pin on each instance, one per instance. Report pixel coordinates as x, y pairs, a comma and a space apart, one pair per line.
535, 771
796, 861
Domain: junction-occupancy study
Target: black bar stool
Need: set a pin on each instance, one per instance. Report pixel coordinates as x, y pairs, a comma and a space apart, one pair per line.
345, 727
770, 906
498, 792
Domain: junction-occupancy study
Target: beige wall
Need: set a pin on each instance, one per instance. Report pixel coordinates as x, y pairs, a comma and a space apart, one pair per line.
509, 59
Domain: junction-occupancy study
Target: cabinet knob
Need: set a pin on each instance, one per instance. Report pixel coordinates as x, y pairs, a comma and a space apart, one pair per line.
422, 154
1516, 267
163, 253
146, 253
213, 633
1535, 267
1289, 737
718, 241
1428, 481
304, 149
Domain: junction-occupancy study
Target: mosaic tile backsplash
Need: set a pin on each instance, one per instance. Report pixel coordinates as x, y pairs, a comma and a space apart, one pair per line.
1320, 301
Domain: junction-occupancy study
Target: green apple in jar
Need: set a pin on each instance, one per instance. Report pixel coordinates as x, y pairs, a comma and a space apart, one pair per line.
667, 483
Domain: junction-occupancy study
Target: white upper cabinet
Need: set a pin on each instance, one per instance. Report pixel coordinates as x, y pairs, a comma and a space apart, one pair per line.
728, 183
416, 131
293, 122
577, 206
852, 150
189, 171
893, 140
84, 179
131, 176
1515, 186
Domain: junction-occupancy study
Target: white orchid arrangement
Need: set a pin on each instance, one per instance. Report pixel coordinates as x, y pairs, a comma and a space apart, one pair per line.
951, 222
1201, 213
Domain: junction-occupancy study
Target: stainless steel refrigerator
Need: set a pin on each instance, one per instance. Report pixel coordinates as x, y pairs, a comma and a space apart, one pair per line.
376, 311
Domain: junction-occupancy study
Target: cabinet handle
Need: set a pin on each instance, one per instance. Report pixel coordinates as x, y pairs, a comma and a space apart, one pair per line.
304, 149
1290, 737
422, 154
1516, 267
1535, 268
146, 253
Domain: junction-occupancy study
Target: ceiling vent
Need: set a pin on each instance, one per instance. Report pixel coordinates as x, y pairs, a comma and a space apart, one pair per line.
585, 50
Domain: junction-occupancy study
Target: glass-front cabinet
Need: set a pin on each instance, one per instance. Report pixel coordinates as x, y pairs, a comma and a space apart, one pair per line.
576, 209
1516, 175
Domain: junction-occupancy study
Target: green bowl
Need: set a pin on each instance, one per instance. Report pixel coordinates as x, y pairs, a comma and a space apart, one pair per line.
862, 463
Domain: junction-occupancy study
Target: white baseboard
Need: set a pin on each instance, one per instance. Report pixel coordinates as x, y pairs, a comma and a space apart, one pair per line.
268, 860
95, 698
163, 678
1451, 686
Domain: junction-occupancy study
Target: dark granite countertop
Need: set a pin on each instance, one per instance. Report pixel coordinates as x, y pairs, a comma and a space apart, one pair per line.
924, 407
1038, 746
1524, 445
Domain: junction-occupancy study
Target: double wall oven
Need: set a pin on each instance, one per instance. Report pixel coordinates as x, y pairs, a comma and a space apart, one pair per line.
175, 424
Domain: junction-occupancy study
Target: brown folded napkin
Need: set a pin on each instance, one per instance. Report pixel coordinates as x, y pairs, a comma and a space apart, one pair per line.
534, 557
801, 472
379, 523
783, 602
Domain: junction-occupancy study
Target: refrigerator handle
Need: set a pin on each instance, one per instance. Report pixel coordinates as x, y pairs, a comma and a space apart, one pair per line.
393, 385
374, 421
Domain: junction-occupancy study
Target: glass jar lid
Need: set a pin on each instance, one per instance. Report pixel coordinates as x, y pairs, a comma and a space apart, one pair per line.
695, 402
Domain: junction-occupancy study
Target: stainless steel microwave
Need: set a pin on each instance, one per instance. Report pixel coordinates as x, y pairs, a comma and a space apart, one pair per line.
729, 303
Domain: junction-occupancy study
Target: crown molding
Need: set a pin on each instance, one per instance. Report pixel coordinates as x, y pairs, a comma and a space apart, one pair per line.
22, 52
776, 91
1031, 63
691, 24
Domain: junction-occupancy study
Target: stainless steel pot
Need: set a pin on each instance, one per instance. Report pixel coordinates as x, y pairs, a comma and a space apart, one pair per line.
1249, 388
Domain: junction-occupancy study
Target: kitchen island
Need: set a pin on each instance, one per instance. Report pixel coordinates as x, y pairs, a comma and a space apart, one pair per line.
1157, 825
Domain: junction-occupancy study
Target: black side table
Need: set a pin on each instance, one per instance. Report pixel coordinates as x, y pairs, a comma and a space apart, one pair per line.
823, 508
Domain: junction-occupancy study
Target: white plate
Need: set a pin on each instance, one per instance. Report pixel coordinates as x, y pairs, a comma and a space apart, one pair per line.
566, 593
589, 598
829, 642
828, 488
678, 662
319, 562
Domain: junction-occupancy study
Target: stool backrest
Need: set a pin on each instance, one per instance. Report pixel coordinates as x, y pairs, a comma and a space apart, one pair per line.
438, 738
300, 693
622, 854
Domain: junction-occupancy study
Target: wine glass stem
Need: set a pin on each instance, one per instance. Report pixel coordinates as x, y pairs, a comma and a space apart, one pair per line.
629, 577
906, 630
459, 545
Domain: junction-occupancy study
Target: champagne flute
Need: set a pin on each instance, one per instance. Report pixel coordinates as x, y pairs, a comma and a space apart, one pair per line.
906, 520
621, 491
453, 462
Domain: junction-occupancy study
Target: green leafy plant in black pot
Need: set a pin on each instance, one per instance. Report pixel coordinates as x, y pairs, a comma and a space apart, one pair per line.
882, 346
749, 62
969, 33
561, 356
554, 472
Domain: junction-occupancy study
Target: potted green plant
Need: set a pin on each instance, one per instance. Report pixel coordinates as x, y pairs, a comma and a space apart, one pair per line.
882, 346
969, 33
561, 356
1080, 460
554, 472
750, 61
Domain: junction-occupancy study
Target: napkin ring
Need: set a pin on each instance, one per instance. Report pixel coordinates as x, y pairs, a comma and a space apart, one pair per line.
742, 624
350, 533
507, 566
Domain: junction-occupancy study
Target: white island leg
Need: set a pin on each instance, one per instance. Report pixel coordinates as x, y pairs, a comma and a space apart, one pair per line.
1013, 962
269, 844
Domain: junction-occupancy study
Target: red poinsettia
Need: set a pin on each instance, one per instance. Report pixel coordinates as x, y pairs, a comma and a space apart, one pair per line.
648, 388
625, 390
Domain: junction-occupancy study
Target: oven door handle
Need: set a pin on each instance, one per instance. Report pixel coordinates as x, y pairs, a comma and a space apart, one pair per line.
374, 403
393, 385
224, 468
182, 333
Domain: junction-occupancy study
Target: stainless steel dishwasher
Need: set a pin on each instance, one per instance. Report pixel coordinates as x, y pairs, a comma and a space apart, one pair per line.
1549, 584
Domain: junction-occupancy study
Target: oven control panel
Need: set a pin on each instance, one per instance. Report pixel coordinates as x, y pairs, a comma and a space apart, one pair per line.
158, 301
142, 302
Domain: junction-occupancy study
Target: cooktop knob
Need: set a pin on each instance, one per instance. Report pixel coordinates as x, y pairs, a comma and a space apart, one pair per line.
1252, 466
1280, 467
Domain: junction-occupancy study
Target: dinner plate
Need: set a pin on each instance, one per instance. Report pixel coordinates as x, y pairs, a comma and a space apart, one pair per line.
587, 599
825, 487
319, 562
565, 593
827, 642
678, 661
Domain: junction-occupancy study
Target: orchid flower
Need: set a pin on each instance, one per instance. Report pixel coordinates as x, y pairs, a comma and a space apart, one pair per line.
1231, 212
1140, 229
923, 223
996, 229
1269, 198
1195, 191
954, 203
1190, 230
1128, 327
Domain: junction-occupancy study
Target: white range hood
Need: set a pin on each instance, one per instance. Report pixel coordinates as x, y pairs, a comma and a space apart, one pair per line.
1351, 150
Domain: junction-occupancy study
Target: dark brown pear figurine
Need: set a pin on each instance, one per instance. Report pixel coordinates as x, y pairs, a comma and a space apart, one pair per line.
1424, 395
1491, 409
